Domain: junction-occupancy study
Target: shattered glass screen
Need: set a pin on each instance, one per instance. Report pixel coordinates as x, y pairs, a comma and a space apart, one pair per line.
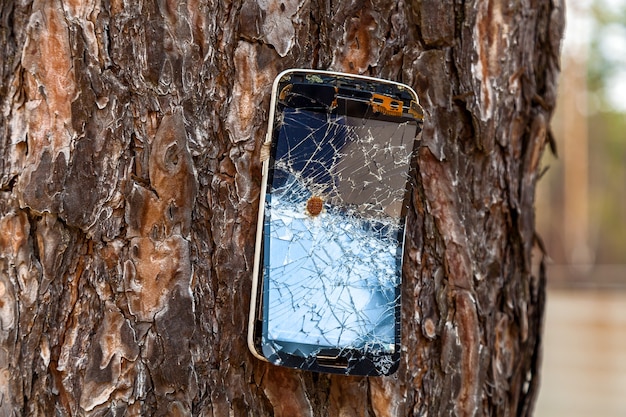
333, 232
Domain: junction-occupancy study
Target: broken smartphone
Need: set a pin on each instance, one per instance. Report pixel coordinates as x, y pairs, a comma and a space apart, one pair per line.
329, 246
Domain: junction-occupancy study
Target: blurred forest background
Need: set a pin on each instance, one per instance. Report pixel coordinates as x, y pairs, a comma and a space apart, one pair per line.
581, 202
581, 217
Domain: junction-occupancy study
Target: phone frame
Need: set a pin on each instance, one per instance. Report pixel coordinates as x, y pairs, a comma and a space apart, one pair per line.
328, 362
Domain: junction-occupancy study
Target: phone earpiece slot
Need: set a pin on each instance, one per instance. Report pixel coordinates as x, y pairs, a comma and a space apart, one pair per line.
332, 361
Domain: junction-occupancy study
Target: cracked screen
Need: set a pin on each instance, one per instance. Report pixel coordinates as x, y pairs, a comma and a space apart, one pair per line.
333, 225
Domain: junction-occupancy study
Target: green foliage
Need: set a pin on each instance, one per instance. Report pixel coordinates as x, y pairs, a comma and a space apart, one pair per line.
607, 52
607, 130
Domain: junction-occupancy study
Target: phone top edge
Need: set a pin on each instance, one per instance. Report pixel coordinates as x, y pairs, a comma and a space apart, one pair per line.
286, 72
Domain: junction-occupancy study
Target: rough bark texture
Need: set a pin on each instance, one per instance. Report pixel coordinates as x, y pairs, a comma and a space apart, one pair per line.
130, 175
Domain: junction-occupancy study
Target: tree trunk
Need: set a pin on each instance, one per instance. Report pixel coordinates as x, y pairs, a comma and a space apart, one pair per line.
130, 176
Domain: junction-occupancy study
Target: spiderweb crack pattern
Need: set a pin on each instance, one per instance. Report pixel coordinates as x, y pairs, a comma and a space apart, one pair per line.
333, 271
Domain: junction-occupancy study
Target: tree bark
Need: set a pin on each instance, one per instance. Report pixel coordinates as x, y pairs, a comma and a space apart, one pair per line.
130, 176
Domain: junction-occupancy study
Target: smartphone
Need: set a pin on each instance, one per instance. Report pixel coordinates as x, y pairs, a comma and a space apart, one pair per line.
327, 273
